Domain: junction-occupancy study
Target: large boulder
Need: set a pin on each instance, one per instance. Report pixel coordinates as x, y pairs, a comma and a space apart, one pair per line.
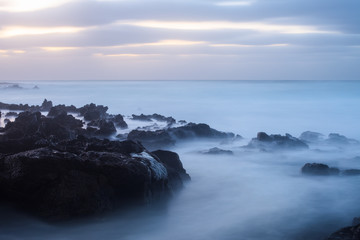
273, 142
174, 166
85, 176
92, 112
118, 120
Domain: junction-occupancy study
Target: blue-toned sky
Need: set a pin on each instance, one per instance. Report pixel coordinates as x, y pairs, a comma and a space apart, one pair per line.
179, 39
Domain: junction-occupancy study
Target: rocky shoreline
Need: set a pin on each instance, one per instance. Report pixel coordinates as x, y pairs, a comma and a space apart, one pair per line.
63, 165
53, 167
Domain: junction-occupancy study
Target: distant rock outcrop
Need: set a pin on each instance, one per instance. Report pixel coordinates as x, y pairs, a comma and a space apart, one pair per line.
155, 116
319, 169
218, 151
311, 137
272, 142
335, 138
168, 137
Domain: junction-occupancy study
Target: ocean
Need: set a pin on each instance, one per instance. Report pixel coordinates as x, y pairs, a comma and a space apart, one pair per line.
250, 195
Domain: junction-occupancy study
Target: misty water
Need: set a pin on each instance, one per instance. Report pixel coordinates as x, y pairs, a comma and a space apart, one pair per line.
248, 195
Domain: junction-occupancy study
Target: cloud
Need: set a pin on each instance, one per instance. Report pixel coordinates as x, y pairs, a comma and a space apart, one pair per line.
29, 6
233, 38
8, 32
219, 25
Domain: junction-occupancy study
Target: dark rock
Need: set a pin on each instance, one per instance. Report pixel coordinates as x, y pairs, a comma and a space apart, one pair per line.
56, 184
351, 172
168, 137
272, 142
348, 233
155, 116
201, 130
174, 167
218, 151
119, 121
92, 112
36, 87
356, 221
83, 176
106, 128
46, 105
121, 136
311, 137
28, 128
11, 114
152, 139
6, 120
102, 128
319, 169
142, 117
60, 109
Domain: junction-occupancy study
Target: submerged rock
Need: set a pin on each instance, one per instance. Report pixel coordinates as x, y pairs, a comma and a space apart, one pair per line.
311, 137
218, 151
272, 142
351, 172
319, 169
335, 138
168, 137
11, 114
119, 121
155, 116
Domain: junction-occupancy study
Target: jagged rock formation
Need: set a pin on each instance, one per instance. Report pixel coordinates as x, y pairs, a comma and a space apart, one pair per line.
50, 167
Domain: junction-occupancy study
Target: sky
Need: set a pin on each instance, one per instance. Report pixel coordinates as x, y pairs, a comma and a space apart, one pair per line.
179, 40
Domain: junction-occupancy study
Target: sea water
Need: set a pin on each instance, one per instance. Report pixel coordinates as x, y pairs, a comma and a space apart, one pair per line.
248, 195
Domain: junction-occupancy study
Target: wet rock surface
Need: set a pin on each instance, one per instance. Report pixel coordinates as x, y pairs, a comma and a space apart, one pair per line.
52, 168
